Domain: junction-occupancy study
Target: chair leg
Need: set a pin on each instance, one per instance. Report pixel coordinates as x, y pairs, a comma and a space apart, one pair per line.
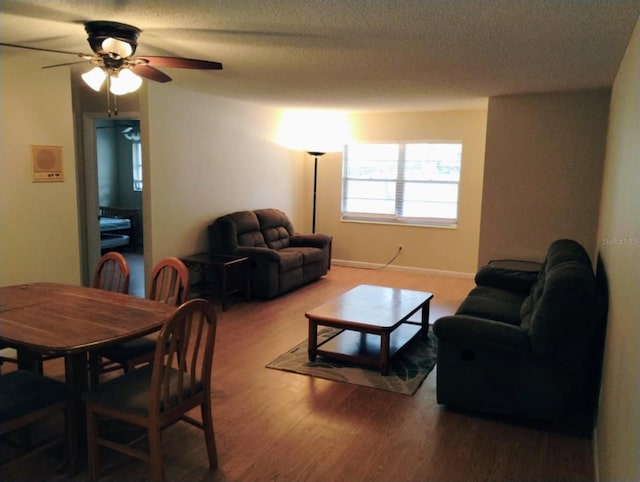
155, 452
71, 422
94, 368
209, 434
93, 455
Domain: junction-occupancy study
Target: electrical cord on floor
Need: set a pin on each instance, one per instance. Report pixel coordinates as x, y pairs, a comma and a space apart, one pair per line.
390, 261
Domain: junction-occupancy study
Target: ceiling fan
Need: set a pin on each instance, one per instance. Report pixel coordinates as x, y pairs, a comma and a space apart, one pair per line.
114, 45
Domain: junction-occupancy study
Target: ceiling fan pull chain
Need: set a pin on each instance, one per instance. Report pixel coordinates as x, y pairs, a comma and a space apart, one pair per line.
115, 102
108, 98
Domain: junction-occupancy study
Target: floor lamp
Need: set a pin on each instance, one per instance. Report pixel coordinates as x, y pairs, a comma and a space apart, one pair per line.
315, 185
316, 132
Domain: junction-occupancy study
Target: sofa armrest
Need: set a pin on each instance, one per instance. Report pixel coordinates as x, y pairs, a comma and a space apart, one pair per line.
258, 254
482, 333
505, 278
314, 240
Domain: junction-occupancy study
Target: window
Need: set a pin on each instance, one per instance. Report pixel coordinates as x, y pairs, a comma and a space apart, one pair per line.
411, 183
136, 156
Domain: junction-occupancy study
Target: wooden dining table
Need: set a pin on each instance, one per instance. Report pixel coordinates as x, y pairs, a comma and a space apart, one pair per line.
70, 321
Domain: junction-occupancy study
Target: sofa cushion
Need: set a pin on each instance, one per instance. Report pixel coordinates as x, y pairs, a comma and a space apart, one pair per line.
251, 239
229, 232
275, 226
508, 279
309, 255
247, 229
493, 303
290, 260
566, 250
276, 237
566, 308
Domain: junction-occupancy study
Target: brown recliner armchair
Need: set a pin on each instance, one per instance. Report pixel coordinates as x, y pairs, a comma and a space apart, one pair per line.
281, 259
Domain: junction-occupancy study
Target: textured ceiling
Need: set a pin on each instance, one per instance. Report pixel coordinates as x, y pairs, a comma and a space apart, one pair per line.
354, 54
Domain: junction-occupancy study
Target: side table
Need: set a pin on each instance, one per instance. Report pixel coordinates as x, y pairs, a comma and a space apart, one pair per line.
230, 274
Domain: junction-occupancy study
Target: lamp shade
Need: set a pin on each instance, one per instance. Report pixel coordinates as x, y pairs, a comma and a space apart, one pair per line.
319, 131
124, 82
119, 47
94, 78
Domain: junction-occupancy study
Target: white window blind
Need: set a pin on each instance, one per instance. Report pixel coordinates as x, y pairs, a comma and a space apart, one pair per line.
410, 183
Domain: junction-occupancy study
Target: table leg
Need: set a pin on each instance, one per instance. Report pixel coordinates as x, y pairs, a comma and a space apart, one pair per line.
313, 340
28, 360
425, 319
384, 353
77, 375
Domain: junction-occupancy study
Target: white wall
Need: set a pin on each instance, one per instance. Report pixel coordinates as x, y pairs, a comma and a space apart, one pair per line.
38, 221
205, 156
618, 428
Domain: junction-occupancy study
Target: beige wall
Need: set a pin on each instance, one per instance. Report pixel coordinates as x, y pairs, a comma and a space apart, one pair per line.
543, 171
436, 249
205, 157
38, 221
618, 428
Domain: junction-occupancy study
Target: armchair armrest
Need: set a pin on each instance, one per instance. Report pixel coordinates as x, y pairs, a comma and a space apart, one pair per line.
258, 254
482, 333
314, 240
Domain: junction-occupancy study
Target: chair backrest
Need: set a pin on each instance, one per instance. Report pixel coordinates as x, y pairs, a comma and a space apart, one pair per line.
183, 359
170, 282
112, 273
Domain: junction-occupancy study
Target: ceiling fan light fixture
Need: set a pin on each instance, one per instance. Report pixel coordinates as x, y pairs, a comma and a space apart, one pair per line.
118, 47
95, 78
100, 32
124, 82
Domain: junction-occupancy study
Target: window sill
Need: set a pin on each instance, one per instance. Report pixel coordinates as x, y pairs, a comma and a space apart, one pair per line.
397, 223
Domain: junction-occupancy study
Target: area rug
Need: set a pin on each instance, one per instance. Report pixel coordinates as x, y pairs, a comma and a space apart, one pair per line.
409, 367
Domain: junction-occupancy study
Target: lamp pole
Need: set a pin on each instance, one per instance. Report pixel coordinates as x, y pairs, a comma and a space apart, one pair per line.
315, 185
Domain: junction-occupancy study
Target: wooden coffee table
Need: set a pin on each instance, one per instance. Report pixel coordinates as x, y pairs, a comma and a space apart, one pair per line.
374, 323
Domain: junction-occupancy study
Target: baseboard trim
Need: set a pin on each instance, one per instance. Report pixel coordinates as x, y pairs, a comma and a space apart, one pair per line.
407, 269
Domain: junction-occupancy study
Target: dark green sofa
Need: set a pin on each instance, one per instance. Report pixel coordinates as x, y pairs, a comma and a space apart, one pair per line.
519, 345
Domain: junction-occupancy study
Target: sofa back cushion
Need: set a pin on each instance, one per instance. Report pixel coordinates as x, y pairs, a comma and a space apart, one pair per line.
561, 312
231, 231
275, 226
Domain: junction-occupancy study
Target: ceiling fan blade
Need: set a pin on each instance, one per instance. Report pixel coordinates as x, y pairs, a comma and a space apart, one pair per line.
150, 73
66, 63
181, 63
45, 50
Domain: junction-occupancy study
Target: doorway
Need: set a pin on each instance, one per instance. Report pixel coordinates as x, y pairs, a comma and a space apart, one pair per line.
113, 187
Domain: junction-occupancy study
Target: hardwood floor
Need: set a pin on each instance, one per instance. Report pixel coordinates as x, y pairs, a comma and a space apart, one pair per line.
274, 425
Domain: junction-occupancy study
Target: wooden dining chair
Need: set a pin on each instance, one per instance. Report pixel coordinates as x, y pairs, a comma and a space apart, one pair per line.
27, 398
112, 273
170, 285
160, 394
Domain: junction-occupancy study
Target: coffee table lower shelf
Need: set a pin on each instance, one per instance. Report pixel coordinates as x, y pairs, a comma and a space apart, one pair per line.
365, 348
